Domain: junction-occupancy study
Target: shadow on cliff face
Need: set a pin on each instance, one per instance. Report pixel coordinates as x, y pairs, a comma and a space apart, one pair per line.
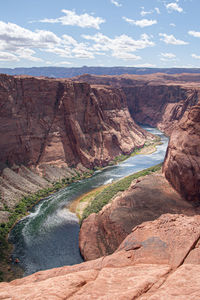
146, 199
182, 163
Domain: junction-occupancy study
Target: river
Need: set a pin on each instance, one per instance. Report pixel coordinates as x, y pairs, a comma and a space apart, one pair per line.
48, 236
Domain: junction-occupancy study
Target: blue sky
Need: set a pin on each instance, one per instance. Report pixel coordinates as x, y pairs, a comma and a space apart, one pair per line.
143, 33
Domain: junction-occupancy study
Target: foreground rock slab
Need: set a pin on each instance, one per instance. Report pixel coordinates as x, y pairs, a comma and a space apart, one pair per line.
151, 263
146, 199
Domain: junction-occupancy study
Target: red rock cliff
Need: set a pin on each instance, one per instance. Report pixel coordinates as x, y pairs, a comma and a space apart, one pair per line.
46, 121
182, 162
49, 126
158, 100
152, 196
145, 200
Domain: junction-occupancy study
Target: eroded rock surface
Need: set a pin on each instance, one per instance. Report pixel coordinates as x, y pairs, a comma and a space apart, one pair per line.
48, 126
158, 100
50, 121
155, 268
146, 199
182, 163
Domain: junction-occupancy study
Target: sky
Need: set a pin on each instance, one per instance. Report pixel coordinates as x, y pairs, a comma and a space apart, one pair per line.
75, 33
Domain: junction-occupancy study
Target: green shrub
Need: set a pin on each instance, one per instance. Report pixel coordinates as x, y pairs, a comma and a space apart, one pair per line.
25, 204
109, 192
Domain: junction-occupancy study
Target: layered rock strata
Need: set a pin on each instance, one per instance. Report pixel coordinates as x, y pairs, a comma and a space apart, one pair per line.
158, 100
182, 162
50, 126
158, 260
47, 121
152, 196
146, 199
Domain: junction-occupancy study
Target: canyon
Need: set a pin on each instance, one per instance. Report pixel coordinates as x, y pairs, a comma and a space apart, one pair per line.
158, 100
51, 129
144, 244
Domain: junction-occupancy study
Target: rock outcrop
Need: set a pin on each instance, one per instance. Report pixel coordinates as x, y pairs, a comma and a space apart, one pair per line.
47, 121
48, 126
153, 196
158, 100
51, 125
182, 162
146, 199
158, 260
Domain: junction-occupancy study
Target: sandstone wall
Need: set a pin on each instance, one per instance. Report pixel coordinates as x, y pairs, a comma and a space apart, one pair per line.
46, 121
48, 127
146, 199
182, 162
158, 100
160, 106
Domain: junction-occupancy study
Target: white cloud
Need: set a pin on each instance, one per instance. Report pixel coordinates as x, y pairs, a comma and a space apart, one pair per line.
168, 56
68, 40
157, 10
195, 56
4, 56
17, 36
172, 24
62, 52
74, 50
145, 65
141, 23
19, 42
116, 3
194, 33
125, 56
71, 18
58, 63
170, 39
173, 6
25, 53
144, 13
81, 51
121, 46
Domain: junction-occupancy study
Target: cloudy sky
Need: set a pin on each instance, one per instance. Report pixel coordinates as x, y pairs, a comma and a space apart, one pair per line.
73, 33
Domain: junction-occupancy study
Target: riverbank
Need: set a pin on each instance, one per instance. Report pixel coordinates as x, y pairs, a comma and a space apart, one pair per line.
95, 200
9, 269
148, 148
81, 203
59, 214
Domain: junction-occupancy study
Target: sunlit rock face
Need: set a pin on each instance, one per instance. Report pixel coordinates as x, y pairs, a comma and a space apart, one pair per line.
182, 162
49, 126
171, 103
158, 100
146, 199
60, 122
157, 260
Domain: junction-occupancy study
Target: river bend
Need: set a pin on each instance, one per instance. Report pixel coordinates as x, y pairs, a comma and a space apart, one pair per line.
48, 236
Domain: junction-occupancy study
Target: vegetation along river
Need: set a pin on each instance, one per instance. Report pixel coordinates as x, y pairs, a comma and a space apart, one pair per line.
48, 236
